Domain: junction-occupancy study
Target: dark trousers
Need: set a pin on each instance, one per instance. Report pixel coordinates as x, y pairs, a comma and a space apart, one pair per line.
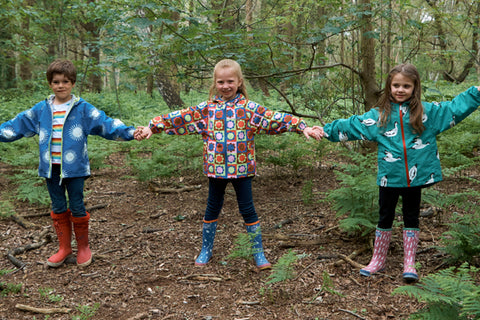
243, 190
74, 188
388, 199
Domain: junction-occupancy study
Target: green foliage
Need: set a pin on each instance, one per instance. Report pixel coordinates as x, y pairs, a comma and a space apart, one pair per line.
30, 187
49, 295
9, 288
6, 209
327, 284
23, 152
462, 240
169, 158
307, 193
243, 247
357, 198
86, 312
467, 199
284, 151
284, 268
449, 294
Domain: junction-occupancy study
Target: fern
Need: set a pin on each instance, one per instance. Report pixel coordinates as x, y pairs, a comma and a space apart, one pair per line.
448, 294
171, 159
284, 268
31, 187
462, 240
357, 198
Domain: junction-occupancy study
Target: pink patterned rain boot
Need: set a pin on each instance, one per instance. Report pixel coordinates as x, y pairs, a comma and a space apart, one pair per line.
380, 249
410, 244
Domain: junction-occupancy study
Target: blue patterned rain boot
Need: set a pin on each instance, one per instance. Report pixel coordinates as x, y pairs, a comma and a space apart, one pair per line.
209, 230
255, 234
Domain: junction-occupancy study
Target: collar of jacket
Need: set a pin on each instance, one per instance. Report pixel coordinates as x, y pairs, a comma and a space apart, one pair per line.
52, 96
238, 97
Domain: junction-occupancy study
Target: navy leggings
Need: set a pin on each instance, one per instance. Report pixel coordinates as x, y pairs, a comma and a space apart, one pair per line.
388, 199
243, 190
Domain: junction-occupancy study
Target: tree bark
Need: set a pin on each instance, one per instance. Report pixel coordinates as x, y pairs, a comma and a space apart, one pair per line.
367, 52
168, 91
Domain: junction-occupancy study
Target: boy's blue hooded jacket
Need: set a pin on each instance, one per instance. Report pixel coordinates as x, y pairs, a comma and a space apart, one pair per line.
406, 159
81, 120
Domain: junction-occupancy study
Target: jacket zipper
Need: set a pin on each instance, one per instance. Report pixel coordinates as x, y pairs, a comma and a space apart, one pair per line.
404, 145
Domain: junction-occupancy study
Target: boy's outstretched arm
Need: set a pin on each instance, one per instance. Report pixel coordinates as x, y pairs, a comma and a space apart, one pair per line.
142, 133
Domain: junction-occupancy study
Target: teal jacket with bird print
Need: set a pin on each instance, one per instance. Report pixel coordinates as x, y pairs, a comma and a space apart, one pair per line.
406, 159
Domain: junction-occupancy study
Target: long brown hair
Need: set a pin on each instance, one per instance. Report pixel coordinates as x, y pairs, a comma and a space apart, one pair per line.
228, 63
416, 107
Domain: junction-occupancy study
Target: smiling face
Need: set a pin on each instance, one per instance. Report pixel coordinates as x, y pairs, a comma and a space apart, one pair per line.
227, 83
401, 88
62, 88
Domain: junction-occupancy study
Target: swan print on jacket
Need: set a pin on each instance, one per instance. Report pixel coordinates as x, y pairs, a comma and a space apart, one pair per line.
405, 158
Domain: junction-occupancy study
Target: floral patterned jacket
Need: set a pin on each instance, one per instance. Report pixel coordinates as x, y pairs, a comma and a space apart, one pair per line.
228, 129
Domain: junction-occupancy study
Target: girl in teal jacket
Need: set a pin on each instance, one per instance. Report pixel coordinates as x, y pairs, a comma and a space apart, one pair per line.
405, 129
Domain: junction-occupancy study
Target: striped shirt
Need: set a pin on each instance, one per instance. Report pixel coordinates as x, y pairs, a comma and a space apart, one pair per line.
59, 112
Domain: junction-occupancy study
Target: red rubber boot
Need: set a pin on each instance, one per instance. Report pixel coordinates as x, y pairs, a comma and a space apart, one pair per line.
63, 228
80, 227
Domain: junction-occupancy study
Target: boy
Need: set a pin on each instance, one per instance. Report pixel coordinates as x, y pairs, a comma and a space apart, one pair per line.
63, 123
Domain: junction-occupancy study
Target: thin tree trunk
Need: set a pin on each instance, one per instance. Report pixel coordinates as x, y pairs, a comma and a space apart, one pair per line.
367, 48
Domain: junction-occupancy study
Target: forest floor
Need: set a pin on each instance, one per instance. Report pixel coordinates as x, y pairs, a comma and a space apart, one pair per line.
145, 242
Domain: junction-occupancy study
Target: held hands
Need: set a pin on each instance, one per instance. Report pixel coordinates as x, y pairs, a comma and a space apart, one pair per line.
142, 133
316, 132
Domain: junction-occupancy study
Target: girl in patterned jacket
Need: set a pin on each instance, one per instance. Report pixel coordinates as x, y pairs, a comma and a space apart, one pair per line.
63, 123
228, 123
405, 129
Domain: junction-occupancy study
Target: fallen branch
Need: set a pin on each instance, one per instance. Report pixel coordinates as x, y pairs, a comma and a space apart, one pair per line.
203, 277
248, 303
344, 258
12, 253
96, 207
352, 313
155, 187
350, 261
42, 310
350, 256
292, 240
36, 215
19, 219
151, 230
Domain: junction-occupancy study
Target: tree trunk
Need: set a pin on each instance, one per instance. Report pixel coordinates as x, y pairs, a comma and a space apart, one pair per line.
7, 59
24, 56
168, 91
367, 55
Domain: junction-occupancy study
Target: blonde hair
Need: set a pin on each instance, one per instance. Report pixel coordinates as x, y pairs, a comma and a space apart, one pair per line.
415, 106
228, 63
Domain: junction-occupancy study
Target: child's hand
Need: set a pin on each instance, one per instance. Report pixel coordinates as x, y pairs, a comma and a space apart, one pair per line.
319, 130
315, 132
142, 133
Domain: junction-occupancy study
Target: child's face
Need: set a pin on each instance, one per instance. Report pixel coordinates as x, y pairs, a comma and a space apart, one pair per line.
62, 88
227, 83
402, 88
